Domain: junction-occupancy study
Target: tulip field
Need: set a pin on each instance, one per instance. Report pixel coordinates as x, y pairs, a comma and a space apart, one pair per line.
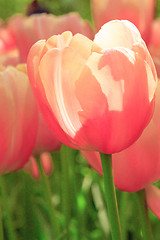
79, 120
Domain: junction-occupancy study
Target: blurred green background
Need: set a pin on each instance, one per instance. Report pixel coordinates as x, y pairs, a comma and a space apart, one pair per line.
57, 7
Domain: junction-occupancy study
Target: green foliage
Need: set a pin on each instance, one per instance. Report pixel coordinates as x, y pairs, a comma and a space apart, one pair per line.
10, 7
59, 7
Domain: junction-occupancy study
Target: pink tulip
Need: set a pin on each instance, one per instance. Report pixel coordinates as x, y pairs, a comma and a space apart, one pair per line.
28, 30
7, 42
47, 164
8, 50
138, 12
153, 199
94, 95
154, 44
18, 121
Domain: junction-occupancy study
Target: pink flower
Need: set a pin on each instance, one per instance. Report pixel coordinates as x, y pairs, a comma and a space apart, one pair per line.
94, 95
28, 30
8, 50
18, 121
47, 164
140, 13
7, 42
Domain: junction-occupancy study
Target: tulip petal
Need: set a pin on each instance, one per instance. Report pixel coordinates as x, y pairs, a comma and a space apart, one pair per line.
117, 34
153, 199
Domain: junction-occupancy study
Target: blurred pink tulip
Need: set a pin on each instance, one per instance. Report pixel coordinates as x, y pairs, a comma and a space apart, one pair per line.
153, 199
47, 164
95, 95
154, 44
8, 50
18, 121
7, 42
140, 13
28, 30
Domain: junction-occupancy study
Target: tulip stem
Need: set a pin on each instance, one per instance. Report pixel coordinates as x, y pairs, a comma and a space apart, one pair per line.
1, 224
144, 218
123, 213
7, 216
48, 198
111, 197
66, 201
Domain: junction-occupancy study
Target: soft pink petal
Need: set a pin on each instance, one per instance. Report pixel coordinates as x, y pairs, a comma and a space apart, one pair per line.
117, 34
153, 199
33, 63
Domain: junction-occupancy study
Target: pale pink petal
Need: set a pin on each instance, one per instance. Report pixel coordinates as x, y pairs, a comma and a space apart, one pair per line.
117, 34
33, 62
153, 199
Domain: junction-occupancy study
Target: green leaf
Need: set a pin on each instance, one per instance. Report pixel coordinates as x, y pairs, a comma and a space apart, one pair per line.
10, 7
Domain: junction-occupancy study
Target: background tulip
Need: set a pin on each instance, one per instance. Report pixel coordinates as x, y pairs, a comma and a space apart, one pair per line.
18, 121
7, 42
46, 161
27, 30
119, 104
140, 13
154, 44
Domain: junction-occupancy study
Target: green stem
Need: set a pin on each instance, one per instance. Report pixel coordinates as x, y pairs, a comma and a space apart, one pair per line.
48, 198
66, 203
1, 224
111, 196
7, 218
144, 218
123, 213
